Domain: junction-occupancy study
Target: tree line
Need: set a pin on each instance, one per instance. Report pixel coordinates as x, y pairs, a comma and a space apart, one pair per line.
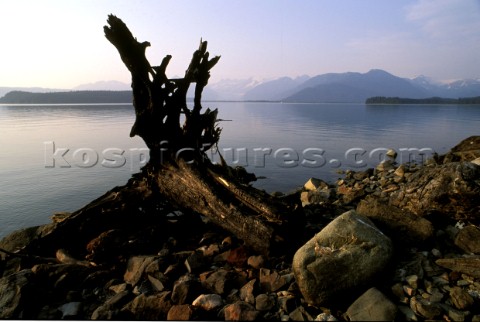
430, 100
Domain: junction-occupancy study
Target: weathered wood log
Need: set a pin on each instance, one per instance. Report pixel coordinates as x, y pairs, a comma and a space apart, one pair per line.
179, 169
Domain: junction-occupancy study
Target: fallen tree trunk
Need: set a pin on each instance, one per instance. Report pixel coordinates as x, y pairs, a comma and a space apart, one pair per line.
179, 169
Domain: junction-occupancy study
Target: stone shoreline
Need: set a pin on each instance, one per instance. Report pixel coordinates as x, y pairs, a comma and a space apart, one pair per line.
396, 242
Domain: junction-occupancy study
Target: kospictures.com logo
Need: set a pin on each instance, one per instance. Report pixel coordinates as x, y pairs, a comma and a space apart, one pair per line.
257, 157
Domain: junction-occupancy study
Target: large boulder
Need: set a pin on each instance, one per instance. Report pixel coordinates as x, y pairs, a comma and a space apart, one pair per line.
346, 255
401, 225
13, 295
451, 189
467, 150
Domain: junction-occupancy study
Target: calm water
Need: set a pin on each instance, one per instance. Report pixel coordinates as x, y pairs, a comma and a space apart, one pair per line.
287, 143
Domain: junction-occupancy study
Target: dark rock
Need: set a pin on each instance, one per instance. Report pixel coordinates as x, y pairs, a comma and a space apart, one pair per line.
186, 289
220, 281
240, 311
135, 268
182, 312
18, 239
13, 294
451, 189
372, 305
460, 298
300, 314
287, 302
264, 302
350, 194
468, 239
247, 292
195, 262
152, 307
109, 310
425, 308
156, 283
238, 257
256, 261
106, 246
347, 254
271, 280
402, 226
316, 196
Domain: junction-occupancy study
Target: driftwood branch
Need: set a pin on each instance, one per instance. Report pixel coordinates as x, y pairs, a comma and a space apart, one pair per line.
188, 179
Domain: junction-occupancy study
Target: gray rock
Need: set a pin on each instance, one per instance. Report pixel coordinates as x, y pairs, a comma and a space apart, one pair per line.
468, 239
240, 311
345, 255
70, 310
208, 302
372, 305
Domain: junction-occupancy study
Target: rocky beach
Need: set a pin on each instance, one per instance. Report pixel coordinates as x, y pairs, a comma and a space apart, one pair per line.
398, 242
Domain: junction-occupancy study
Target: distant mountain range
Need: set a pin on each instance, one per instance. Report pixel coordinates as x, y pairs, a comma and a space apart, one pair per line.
357, 87
332, 87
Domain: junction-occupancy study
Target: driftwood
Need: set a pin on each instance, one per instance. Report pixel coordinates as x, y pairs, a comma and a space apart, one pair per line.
178, 137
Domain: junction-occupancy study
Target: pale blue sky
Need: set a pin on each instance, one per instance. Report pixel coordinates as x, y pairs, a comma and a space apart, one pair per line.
52, 43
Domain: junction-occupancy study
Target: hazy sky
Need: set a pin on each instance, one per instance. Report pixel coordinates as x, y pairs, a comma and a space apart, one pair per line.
61, 44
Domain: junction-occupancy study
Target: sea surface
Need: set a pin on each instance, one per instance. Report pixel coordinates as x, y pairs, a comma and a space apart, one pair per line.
60, 157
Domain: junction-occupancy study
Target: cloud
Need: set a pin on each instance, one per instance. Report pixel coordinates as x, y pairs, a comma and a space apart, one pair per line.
447, 19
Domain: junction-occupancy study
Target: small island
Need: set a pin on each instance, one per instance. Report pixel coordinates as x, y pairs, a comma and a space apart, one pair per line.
430, 100
71, 97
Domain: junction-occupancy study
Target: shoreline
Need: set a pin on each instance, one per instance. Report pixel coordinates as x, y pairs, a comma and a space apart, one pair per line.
147, 260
